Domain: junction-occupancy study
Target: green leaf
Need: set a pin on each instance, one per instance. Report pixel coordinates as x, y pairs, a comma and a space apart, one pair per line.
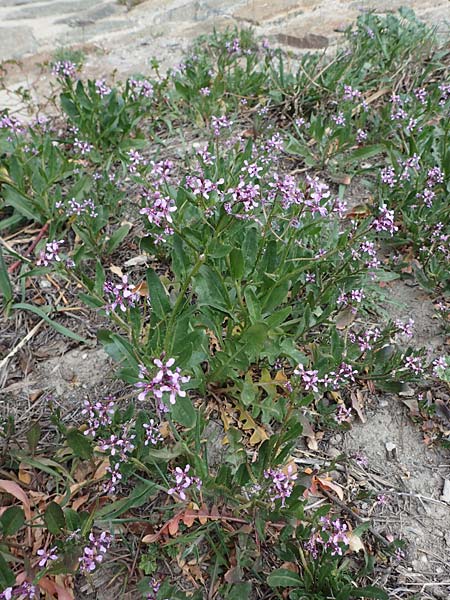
210, 290
137, 497
158, 296
21, 203
79, 443
240, 591
276, 296
254, 337
117, 237
57, 326
54, 518
366, 592
12, 520
364, 153
253, 306
33, 436
5, 283
237, 264
7, 577
283, 578
183, 412
72, 518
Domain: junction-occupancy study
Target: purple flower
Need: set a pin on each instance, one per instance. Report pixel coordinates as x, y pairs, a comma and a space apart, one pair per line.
118, 445
219, 123
385, 220
205, 91
95, 551
343, 414
361, 135
309, 379
123, 295
64, 68
160, 209
101, 88
140, 88
166, 380
46, 556
152, 433
282, 483
329, 537
414, 364
154, 585
115, 478
50, 254
99, 415
183, 481
339, 119
83, 147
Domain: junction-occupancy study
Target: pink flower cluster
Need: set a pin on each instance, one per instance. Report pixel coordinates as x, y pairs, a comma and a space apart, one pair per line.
183, 481
25, 591
166, 381
329, 537
64, 68
281, 483
94, 552
123, 295
99, 414
50, 254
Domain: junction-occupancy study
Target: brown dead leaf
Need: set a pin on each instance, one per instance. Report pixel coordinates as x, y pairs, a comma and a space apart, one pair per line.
12, 488
247, 423
355, 543
141, 289
308, 432
24, 474
327, 484
357, 403
116, 270
78, 502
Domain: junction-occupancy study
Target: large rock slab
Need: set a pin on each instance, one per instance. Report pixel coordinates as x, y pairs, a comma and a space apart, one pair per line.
16, 41
259, 12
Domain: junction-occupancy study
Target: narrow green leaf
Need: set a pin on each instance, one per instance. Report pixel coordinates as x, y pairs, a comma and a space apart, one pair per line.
57, 326
33, 436
5, 283
283, 578
158, 296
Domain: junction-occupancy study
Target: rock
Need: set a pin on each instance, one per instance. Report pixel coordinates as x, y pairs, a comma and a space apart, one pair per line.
391, 450
309, 41
50, 10
16, 41
260, 11
445, 497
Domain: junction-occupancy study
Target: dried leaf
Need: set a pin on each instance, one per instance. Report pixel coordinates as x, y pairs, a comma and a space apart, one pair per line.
10, 487
355, 543
309, 433
116, 270
247, 423
357, 402
328, 484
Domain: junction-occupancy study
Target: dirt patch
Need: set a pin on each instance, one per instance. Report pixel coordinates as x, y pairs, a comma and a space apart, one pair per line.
408, 478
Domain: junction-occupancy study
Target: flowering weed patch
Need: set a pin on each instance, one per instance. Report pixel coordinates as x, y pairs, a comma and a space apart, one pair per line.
241, 288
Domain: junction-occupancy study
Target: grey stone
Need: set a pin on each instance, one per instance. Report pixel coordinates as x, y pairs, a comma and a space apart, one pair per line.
48, 10
85, 17
16, 41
